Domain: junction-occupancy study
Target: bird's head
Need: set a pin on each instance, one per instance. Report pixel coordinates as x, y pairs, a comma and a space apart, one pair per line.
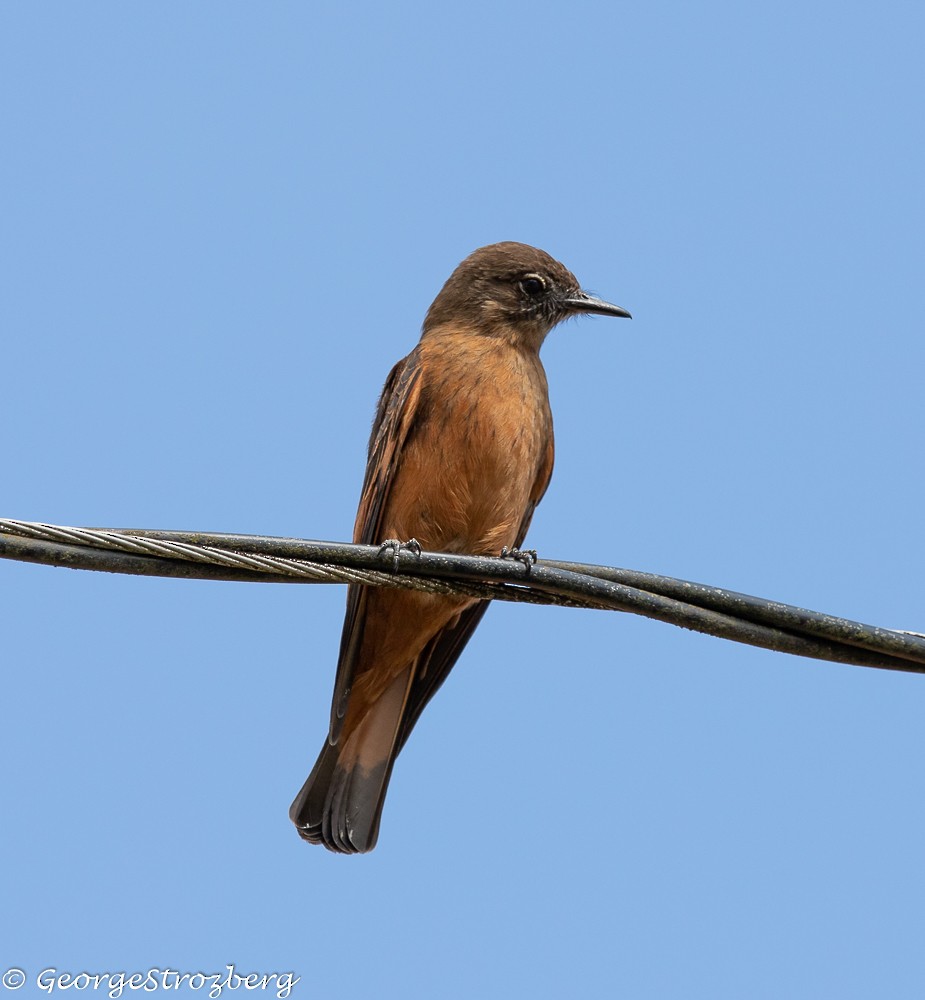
515, 291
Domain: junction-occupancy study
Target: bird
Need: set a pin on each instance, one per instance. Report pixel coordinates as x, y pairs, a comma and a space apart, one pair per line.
460, 454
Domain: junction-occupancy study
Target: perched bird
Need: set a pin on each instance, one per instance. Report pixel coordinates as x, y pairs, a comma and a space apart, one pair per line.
460, 454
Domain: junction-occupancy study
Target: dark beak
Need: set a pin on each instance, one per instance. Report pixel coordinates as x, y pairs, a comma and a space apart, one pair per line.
582, 302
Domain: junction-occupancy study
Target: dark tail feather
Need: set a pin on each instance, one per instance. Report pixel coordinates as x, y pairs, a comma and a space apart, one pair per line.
307, 809
341, 802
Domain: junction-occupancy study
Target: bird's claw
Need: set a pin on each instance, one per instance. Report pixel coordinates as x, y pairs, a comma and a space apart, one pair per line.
395, 547
525, 556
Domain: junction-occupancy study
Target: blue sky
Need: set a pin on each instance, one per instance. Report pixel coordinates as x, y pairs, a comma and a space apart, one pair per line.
222, 225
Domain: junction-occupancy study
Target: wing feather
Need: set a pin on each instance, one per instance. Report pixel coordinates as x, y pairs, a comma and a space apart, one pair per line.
396, 416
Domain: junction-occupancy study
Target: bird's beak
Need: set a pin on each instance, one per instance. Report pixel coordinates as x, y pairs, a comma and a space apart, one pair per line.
583, 302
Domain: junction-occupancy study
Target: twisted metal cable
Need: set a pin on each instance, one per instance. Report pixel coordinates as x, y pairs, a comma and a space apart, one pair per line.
711, 610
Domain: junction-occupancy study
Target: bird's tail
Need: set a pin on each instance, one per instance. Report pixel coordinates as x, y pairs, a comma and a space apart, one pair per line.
341, 801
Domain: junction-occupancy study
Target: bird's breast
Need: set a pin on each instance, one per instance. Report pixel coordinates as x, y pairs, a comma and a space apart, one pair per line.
471, 464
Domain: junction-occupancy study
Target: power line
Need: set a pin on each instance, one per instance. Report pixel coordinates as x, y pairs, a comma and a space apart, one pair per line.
257, 558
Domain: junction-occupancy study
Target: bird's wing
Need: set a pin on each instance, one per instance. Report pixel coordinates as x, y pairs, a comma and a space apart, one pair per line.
540, 486
434, 664
395, 418
396, 415
441, 653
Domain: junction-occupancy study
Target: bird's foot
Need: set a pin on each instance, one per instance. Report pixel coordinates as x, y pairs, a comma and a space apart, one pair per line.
525, 556
394, 546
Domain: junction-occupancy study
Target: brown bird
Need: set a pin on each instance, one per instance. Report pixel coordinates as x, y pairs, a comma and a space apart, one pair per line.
460, 454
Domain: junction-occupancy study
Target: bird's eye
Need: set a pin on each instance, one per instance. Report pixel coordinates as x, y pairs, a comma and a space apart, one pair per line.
533, 285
